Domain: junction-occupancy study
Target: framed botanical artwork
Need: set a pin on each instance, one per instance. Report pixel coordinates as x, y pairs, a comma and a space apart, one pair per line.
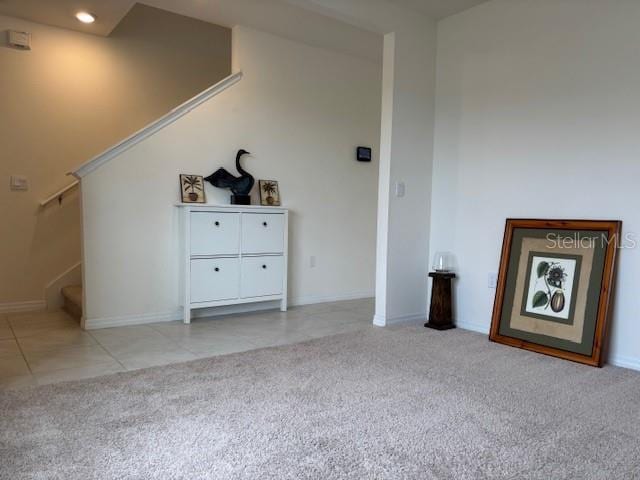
192, 189
269, 193
554, 287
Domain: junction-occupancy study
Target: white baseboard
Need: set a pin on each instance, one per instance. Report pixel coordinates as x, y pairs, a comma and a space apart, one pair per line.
128, 320
615, 360
380, 321
17, 307
414, 317
474, 327
312, 299
624, 362
171, 316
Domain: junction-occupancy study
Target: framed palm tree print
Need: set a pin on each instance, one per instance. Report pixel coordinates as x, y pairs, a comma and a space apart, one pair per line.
192, 189
269, 193
554, 287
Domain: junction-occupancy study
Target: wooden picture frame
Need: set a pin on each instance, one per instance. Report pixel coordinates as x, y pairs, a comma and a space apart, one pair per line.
192, 189
572, 257
269, 193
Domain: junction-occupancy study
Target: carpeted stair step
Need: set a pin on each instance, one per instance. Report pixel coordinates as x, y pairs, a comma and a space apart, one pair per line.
73, 300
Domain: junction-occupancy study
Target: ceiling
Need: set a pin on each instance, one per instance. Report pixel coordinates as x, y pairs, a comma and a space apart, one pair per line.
299, 20
275, 16
61, 13
438, 8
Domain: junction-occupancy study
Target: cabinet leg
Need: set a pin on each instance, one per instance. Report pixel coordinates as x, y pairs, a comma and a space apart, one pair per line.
283, 305
187, 316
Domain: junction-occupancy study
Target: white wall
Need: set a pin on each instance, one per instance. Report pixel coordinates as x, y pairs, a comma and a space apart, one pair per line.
301, 111
406, 150
537, 116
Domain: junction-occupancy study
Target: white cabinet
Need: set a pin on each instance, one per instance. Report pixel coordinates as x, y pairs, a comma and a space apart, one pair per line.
262, 233
232, 255
261, 276
215, 233
214, 279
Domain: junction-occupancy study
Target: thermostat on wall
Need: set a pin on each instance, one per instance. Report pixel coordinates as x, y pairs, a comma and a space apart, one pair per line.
21, 40
364, 154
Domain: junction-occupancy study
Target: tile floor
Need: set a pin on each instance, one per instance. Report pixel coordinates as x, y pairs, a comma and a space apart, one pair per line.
47, 347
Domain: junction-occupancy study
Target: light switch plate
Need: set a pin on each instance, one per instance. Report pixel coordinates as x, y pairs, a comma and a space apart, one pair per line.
400, 189
19, 183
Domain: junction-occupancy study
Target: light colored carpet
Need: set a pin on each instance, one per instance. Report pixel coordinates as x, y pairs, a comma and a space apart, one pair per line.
398, 403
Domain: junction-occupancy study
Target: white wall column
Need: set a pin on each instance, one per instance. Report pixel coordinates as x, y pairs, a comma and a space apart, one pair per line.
384, 179
406, 158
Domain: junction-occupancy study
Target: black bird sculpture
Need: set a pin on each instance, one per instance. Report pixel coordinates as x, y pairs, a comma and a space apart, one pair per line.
239, 186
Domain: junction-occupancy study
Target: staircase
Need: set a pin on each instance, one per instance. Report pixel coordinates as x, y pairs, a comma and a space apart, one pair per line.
68, 283
72, 296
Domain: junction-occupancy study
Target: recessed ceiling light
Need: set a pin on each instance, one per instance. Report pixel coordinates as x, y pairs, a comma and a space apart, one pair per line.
85, 17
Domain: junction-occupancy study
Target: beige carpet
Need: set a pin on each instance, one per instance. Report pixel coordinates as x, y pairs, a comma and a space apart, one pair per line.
398, 403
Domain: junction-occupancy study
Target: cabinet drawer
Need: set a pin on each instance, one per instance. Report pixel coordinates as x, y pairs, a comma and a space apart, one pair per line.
262, 233
214, 279
214, 233
261, 276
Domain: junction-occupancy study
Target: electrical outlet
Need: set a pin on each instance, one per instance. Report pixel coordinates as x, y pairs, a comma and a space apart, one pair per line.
492, 281
312, 261
400, 189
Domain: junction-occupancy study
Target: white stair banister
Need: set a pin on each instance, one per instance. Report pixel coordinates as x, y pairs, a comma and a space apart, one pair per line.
59, 194
154, 127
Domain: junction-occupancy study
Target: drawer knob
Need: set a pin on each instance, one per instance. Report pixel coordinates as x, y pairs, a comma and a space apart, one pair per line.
264, 223
217, 224
216, 269
264, 266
